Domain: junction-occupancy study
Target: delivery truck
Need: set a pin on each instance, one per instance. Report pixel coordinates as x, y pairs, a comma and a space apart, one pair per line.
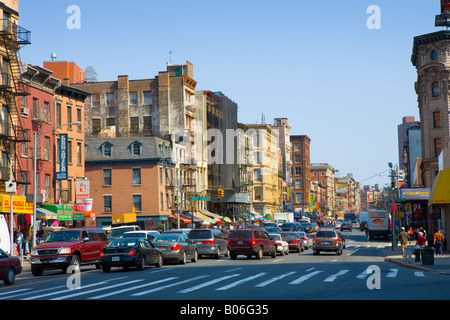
282, 217
378, 224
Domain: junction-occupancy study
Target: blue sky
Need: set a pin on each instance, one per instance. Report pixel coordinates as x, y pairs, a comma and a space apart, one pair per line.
314, 62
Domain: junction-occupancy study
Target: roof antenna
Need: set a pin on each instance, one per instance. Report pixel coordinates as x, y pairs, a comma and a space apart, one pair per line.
170, 57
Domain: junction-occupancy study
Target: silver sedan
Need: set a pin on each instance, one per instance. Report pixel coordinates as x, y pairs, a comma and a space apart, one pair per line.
176, 247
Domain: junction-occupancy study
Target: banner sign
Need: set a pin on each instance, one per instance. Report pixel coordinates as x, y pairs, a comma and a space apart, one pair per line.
62, 174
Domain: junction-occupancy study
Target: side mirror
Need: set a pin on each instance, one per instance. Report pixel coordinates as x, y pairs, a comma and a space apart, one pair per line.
86, 239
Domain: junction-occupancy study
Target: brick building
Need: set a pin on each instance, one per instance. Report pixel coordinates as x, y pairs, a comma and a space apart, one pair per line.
301, 186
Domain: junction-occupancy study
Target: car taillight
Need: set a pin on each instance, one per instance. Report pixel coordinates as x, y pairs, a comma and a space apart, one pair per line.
228, 241
253, 241
279, 244
314, 240
304, 239
175, 247
209, 242
338, 240
132, 253
294, 241
102, 255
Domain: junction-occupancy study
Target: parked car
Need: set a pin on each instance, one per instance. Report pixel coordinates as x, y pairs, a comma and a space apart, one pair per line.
314, 227
176, 247
146, 234
338, 224
9, 268
251, 242
116, 232
306, 225
294, 241
329, 241
177, 231
209, 242
130, 252
280, 242
289, 227
68, 248
270, 230
346, 226
305, 239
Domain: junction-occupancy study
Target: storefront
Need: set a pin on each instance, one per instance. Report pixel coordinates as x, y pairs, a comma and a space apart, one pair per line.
439, 202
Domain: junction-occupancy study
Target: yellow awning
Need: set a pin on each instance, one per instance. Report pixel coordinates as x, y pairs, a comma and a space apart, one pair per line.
440, 193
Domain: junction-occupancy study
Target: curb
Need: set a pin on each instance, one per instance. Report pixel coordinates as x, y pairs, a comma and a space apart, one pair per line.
410, 266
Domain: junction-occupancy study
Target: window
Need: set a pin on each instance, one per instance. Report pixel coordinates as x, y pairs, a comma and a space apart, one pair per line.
299, 197
110, 100
96, 125
437, 146
161, 197
24, 144
23, 106
47, 112
137, 202
435, 89
107, 149
23, 178
134, 98
47, 149
79, 156
107, 203
35, 108
69, 116
298, 184
136, 149
47, 186
147, 122
96, 100
69, 152
257, 174
110, 122
436, 119
297, 147
298, 171
79, 117
147, 97
134, 124
107, 180
297, 158
58, 114
177, 71
136, 176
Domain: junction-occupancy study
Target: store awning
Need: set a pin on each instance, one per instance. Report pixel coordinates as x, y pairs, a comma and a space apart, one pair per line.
211, 214
44, 214
189, 216
440, 193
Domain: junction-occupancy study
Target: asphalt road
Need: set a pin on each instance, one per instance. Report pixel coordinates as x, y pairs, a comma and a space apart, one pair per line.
292, 277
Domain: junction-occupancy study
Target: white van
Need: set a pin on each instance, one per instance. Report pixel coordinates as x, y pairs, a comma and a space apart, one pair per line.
5, 240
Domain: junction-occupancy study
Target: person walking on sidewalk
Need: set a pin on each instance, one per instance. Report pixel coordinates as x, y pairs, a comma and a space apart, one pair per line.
438, 241
421, 240
403, 236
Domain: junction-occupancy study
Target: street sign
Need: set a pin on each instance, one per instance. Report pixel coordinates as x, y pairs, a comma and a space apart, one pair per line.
200, 198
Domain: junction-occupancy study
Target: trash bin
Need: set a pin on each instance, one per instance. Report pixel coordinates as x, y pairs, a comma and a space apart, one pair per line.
427, 256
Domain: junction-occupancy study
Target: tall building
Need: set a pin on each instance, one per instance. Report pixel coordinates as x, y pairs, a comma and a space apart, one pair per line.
301, 186
323, 173
285, 172
407, 122
433, 66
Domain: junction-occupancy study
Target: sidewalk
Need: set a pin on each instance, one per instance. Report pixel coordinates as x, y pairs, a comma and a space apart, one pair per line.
441, 264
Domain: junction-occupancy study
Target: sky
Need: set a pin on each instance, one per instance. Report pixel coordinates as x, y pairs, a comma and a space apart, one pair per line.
317, 63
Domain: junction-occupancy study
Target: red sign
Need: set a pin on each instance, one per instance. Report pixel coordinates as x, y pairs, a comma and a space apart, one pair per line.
394, 208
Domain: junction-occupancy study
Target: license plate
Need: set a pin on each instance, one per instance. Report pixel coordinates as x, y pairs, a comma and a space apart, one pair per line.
162, 248
240, 242
199, 242
326, 242
115, 259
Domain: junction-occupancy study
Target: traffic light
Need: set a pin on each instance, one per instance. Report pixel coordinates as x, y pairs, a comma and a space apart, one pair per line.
175, 202
220, 194
393, 186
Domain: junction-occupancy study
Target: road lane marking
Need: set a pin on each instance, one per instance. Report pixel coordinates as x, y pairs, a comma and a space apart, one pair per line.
419, 274
168, 286
234, 284
334, 276
392, 273
133, 288
234, 269
364, 274
265, 283
66, 290
209, 283
305, 277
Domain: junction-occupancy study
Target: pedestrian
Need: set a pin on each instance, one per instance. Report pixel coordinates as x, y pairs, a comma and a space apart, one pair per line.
421, 240
403, 236
438, 242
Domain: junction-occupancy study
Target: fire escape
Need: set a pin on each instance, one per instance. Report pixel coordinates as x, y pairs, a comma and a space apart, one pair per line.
12, 39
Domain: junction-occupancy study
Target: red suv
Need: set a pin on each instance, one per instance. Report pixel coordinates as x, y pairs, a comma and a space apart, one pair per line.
69, 247
251, 242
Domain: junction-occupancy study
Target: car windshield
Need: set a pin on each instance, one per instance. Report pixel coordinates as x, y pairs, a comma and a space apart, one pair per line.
123, 243
62, 236
326, 234
167, 238
241, 234
134, 235
302, 234
200, 234
291, 235
119, 231
275, 236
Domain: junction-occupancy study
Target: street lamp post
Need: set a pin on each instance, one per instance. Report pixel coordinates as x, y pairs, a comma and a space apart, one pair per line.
35, 142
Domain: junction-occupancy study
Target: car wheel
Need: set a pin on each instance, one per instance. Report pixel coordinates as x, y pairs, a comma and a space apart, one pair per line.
36, 271
195, 258
141, 263
106, 269
259, 254
74, 266
159, 263
274, 253
10, 277
184, 258
233, 256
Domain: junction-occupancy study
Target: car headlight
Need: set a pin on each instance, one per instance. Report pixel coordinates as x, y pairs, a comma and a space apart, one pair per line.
34, 253
65, 251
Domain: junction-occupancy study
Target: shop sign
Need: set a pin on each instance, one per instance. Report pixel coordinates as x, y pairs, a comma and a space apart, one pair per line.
64, 217
20, 205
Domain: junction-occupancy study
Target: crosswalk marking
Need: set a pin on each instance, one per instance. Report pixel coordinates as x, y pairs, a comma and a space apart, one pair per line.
133, 288
334, 276
208, 283
392, 273
234, 284
305, 277
65, 291
169, 285
265, 283
419, 274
